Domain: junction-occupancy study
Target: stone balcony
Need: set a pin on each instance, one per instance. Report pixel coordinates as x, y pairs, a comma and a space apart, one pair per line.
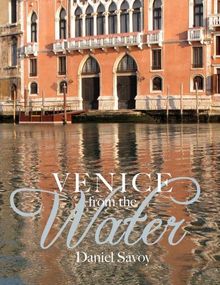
214, 21
60, 46
31, 49
106, 41
155, 38
196, 35
10, 29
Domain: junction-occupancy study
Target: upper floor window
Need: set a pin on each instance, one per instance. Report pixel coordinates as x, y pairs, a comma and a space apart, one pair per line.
33, 67
78, 22
89, 21
62, 65
198, 13
124, 17
34, 28
218, 6
14, 49
157, 15
217, 45
13, 11
112, 19
137, 16
62, 24
197, 57
101, 20
156, 59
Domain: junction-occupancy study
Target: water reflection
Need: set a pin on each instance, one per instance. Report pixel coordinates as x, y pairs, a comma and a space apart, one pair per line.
30, 154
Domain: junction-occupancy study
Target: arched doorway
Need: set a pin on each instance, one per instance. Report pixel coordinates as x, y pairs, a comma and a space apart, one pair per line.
127, 83
90, 84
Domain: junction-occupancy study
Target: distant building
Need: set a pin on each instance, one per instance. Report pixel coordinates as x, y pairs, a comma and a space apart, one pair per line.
111, 54
10, 43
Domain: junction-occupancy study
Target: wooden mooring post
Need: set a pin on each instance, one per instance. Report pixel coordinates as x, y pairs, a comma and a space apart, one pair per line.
167, 105
197, 102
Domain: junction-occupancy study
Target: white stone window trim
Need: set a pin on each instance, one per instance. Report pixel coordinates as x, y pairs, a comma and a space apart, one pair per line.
191, 13
150, 15
95, 6
29, 26
29, 88
57, 23
58, 85
192, 90
151, 84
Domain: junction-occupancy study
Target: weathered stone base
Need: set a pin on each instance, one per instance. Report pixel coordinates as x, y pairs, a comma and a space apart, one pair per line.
159, 102
107, 103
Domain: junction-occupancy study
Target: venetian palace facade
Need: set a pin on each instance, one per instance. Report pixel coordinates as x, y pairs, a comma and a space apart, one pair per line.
110, 54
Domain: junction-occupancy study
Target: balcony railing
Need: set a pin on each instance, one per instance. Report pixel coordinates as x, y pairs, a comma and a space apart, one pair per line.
105, 41
155, 38
31, 49
196, 35
214, 21
59, 46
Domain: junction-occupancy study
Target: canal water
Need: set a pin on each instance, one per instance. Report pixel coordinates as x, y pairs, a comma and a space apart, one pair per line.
30, 154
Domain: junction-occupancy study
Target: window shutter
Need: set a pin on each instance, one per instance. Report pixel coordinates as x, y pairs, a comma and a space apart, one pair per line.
214, 83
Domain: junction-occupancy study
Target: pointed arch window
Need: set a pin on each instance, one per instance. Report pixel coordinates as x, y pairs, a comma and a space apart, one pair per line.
198, 13
137, 16
91, 66
78, 22
157, 15
62, 24
101, 20
124, 17
89, 21
127, 64
34, 28
112, 19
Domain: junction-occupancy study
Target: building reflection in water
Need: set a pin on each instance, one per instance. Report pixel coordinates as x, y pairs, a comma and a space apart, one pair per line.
31, 154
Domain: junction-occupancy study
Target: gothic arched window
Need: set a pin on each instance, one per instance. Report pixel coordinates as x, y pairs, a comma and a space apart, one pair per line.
112, 19
34, 28
124, 17
137, 16
89, 21
101, 20
62, 24
157, 15
78, 22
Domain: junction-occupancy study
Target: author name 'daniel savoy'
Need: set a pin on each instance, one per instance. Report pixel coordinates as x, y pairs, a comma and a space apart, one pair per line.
120, 257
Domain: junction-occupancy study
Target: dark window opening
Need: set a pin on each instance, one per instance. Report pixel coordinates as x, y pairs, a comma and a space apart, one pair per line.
156, 59
197, 57
34, 88
89, 21
33, 67
78, 23
62, 24
100, 20
157, 15
34, 28
137, 16
157, 84
198, 13
62, 65
217, 45
198, 82
124, 17
127, 64
112, 19
62, 87
13, 11
91, 66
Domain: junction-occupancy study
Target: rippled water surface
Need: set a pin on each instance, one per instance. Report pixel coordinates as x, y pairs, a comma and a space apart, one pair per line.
30, 154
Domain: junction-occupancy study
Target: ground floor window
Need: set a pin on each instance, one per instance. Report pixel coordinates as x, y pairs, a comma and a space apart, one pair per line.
34, 88
198, 82
157, 84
